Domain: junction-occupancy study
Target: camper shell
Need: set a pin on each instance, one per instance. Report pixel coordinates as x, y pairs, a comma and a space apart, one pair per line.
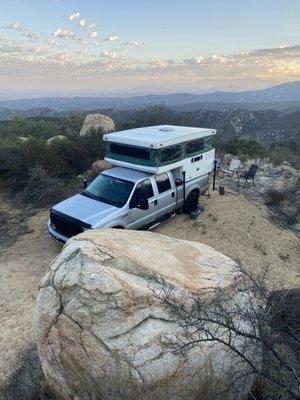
157, 149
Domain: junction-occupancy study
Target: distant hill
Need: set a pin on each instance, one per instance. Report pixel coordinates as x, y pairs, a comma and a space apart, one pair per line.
8, 113
273, 97
267, 125
284, 106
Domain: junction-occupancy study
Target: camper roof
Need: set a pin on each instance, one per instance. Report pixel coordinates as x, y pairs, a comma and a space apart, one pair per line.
158, 136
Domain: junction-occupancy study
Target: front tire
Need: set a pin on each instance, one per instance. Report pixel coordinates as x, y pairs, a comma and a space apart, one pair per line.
191, 203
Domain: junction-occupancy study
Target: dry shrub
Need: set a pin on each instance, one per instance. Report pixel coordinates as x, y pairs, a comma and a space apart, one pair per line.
26, 380
42, 190
274, 197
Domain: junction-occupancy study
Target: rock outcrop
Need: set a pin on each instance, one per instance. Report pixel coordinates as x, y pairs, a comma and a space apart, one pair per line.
55, 138
102, 328
99, 166
97, 122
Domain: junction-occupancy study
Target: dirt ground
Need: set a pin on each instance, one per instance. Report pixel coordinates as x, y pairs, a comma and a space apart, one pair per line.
231, 224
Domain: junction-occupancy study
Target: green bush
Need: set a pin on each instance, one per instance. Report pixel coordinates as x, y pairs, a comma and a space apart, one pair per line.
62, 159
244, 147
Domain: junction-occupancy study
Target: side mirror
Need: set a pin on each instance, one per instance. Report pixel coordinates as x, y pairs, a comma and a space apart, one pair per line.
85, 183
143, 204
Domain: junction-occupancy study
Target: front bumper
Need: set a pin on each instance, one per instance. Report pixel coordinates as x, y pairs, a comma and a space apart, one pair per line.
56, 235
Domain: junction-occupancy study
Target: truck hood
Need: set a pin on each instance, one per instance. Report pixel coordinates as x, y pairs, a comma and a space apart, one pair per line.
85, 209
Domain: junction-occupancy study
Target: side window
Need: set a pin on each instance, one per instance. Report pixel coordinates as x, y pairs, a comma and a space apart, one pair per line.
130, 151
162, 182
143, 191
170, 153
194, 146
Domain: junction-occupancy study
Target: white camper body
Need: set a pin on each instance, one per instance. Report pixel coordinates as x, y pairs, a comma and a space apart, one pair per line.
162, 148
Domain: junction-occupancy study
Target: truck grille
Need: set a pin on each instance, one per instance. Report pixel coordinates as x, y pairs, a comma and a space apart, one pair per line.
66, 225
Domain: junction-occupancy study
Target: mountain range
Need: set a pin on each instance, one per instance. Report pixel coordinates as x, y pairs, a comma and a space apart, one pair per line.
278, 97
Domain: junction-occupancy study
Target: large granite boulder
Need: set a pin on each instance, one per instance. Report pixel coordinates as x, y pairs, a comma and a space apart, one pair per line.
100, 166
97, 122
102, 329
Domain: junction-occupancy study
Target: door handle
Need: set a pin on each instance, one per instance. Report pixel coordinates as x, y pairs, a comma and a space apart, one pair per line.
173, 194
154, 202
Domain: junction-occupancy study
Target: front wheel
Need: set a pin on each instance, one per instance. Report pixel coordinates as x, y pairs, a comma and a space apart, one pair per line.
191, 203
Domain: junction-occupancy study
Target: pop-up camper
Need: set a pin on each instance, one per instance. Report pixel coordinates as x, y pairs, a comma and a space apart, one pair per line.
157, 149
157, 170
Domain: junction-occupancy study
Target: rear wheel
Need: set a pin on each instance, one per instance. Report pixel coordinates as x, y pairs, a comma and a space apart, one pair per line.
191, 203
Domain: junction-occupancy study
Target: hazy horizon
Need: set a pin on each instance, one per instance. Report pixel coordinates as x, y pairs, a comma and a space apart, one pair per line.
55, 48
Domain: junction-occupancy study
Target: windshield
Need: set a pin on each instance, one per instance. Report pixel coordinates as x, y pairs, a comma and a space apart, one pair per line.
109, 189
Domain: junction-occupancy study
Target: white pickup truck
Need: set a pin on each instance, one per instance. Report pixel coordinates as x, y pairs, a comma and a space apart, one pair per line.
145, 187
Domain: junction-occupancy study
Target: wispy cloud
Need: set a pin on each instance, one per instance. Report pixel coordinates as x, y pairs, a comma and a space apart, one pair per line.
68, 55
74, 16
62, 58
64, 34
30, 35
108, 54
136, 44
194, 60
84, 24
112, 38
81, 51
14, 26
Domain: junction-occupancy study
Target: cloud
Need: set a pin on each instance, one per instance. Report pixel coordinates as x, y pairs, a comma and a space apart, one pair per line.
160, 64
54, 43
14, 26
221, 59
64, 34
112, 38
62, 58
93, 35
194, 60
38, 50
137, 45
84, 24
108, 54
81, 51
30, 35
74, 16
83, 66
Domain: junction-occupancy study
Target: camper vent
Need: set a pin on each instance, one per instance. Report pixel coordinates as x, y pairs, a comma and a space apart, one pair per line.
166, 129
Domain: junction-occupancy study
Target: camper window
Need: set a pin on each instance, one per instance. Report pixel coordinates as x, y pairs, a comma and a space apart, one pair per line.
170, 153
194, 146
136, 152
198, 158
162, 182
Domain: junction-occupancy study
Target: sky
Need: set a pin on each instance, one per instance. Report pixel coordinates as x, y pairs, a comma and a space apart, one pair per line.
128, 47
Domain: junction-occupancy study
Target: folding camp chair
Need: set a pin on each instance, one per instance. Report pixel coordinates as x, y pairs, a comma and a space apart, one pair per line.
247, 175
232, 168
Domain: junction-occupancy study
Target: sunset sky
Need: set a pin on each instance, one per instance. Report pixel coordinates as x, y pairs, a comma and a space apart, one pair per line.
94, 47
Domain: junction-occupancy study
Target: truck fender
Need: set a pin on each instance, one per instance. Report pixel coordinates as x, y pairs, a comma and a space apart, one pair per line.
114, 224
